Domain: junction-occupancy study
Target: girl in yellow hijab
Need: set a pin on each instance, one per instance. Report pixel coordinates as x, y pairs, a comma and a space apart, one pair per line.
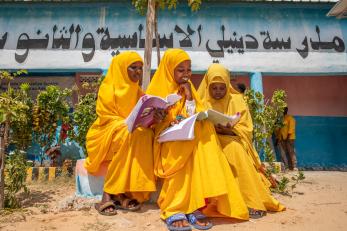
218, 94
129, 178
196, 173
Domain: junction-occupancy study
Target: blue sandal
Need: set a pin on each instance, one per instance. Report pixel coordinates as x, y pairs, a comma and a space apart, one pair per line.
197, 216
256, 214
177, 217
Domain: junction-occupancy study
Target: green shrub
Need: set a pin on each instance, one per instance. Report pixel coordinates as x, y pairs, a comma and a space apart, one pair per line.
15, 177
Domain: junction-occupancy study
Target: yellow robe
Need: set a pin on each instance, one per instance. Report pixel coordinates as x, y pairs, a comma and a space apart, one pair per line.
130, 155
192, 171
243, 158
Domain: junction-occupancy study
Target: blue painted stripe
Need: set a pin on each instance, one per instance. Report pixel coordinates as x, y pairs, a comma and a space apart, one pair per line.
321, 141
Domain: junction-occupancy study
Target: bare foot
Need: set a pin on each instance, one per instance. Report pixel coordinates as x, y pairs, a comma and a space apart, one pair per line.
180, 224
123, 202
106, 206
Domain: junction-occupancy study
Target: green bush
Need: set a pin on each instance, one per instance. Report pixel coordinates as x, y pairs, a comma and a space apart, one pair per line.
83, 117
266, 114
15, 177
51, 108
21, 124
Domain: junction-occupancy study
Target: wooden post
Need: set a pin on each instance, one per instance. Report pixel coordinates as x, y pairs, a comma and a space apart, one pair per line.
148, 43
157, 44
3, 134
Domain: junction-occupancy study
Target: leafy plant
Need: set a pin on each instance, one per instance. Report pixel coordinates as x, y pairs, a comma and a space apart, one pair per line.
266, 114
51, 108
10, 104
83, 117
288, 183
15, 177
11, 111
282, 185
296, 178
84, 113
21, 124
141, 5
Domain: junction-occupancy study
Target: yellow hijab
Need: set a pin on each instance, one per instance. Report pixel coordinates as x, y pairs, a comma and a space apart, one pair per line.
216, 73
163, 82
118, 94
230, 104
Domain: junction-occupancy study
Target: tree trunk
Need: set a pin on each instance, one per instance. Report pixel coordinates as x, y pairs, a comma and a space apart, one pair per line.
148, 43
4, 129
157, 44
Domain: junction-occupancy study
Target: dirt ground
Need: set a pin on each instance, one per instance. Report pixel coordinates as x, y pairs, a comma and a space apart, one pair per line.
317, 203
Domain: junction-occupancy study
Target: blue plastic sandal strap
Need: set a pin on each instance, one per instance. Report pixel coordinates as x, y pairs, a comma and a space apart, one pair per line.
199, 215
192, 218
175, 217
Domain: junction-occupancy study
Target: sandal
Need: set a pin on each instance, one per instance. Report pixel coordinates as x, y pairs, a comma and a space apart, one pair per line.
177, 217
101, 207
196, 216
256, 214
124, 203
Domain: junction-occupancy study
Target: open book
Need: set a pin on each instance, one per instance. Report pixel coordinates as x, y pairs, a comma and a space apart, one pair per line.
143, 112
184, 130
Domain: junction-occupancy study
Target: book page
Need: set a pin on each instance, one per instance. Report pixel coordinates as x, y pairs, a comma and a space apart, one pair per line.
181, 131
130, 120
219, 118
172, 99
201, 115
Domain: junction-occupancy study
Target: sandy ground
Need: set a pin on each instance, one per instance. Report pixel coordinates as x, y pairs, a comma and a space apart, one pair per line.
317, 203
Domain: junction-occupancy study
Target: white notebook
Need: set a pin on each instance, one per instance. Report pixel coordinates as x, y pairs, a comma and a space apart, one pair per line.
184, 130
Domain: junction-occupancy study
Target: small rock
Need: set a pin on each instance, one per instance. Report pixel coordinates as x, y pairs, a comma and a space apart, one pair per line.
66, 204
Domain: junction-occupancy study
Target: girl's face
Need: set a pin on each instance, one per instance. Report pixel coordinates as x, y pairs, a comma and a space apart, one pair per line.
217, 90
135, 71
183, 72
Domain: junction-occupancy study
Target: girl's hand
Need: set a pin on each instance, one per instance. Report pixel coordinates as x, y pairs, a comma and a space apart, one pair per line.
218, 129
271, 178
159, 115
224, 130
174, 122
185, 89
146, 111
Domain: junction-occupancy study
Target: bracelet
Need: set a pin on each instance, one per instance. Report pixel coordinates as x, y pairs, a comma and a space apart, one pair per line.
180, 117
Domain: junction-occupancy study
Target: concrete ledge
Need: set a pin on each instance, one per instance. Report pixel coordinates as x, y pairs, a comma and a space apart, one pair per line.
92, 185
48, 173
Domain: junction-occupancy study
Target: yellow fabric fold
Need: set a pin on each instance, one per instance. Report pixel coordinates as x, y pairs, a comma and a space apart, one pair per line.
239, 151
196, 170
130, 154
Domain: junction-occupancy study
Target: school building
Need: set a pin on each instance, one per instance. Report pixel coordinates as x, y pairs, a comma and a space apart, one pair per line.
299, 46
